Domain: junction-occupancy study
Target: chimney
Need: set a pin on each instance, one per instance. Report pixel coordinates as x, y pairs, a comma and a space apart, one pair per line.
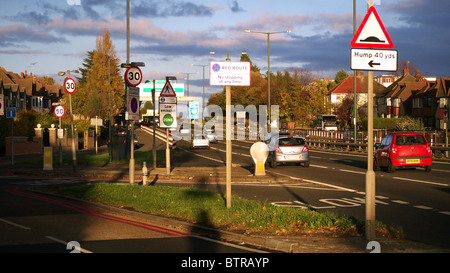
405, 71
21, 75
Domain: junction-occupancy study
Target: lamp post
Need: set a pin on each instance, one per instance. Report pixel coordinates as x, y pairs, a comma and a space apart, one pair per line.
187, 75
203, 97
268, 65
154, 124
74, 155
228, 133
187, 102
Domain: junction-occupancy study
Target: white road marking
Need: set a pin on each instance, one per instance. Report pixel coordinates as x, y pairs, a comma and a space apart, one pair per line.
14, 224
420, 181
65, 243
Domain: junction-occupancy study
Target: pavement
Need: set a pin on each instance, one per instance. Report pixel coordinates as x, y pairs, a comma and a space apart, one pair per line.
284, 244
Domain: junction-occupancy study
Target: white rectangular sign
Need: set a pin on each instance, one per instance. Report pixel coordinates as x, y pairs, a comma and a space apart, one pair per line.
229, 73
146, 89
167, 115
373, 59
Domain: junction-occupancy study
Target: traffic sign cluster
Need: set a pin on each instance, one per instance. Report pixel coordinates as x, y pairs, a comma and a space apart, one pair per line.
371, 45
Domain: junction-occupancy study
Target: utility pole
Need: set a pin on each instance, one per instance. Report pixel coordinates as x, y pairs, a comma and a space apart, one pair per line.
132, 163
370, 174
355, 98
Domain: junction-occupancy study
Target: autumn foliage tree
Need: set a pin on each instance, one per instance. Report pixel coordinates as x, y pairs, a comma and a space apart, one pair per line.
92, 95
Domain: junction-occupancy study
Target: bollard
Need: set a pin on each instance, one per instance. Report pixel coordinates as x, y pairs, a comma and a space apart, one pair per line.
144, 174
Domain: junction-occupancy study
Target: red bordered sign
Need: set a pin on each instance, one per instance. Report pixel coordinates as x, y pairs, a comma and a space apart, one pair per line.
70, 85
133, 76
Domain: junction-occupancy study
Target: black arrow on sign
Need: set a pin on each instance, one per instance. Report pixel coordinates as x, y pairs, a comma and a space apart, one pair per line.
371, 63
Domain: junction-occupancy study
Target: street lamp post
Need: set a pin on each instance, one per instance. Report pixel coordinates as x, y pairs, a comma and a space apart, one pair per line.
154, 125
268, 65
187, 102
203, 97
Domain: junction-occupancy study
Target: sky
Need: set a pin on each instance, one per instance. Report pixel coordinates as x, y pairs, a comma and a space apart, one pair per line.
48, 36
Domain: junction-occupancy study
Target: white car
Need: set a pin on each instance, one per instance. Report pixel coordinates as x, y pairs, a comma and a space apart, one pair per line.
211, 136
200, 141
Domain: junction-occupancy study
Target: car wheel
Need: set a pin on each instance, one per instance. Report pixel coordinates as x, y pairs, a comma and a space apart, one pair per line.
306, 164
391, 167
273, 163
376, 166
428, 168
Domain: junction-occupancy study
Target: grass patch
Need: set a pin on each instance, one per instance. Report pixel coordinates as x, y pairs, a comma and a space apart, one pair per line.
208, 208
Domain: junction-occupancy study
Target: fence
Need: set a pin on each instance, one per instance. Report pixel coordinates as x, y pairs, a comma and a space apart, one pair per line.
343, 140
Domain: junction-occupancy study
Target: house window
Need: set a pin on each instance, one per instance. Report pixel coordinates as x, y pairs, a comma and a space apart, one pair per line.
396, 102
417, 103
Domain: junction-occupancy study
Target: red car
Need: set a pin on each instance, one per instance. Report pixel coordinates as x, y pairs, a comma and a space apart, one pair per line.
403, 149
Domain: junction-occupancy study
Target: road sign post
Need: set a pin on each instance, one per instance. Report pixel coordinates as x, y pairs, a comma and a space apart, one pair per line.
11, 113
229, 74
373, 35
71, 86
133, 77
59, 112
167, 115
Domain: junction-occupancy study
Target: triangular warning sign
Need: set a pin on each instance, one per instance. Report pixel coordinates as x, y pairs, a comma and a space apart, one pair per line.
167, 90
371, 33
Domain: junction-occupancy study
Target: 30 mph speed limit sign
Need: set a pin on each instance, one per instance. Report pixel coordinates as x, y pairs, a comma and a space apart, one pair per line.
70, 85
133, 76
59, 111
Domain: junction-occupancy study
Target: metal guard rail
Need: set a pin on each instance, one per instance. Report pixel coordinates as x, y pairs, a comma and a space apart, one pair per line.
340, 145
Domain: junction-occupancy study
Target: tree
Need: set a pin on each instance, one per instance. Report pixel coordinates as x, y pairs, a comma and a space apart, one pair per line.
340, 76
91, 97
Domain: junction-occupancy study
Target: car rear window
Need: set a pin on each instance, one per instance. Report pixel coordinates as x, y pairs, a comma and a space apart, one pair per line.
294, 141
410, 140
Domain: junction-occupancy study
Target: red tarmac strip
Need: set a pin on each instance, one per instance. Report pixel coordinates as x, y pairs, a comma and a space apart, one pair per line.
87, 211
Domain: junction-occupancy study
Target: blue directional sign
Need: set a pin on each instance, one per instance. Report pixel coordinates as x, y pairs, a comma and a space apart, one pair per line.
11, 112
193, 110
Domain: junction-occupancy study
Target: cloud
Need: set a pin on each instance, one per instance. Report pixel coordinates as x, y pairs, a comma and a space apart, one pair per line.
170, 9
32, 18
234, 6
21, 52
16, 35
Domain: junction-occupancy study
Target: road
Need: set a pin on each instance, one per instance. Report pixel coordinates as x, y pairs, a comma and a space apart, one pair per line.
413, 199
37, 223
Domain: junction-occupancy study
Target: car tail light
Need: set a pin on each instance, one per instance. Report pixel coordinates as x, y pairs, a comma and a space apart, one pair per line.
277, 150
305, 149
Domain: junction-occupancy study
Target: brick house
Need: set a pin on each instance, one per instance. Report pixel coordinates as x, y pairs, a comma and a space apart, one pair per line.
26, 92
346, 88
416, 96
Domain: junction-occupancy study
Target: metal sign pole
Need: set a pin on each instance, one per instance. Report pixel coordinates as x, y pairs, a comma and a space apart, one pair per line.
228, 143
370, 174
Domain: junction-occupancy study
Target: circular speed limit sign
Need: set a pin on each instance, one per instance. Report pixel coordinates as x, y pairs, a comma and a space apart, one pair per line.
70, 85
133, 76
59, 111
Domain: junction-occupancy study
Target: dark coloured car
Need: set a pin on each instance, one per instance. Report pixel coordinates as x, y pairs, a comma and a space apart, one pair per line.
403, 149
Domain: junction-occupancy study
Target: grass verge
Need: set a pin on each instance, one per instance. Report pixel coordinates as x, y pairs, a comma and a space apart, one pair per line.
209, 209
